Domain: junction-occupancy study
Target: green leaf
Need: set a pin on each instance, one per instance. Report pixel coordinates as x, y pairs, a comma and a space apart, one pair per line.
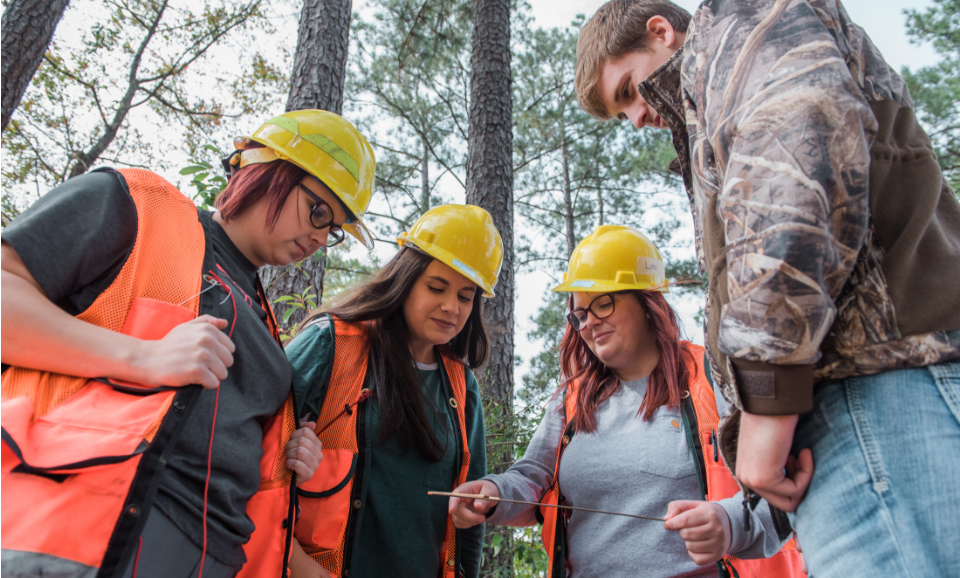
287, 314
213, 149
283, 299
192, 169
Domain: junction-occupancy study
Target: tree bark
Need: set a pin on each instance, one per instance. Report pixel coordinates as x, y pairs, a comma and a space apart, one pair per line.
490, 185
320, 62
319, 68
425, 178
599, 207
28, 27
567, 197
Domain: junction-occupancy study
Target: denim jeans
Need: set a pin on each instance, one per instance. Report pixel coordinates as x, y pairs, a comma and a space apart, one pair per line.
885, 494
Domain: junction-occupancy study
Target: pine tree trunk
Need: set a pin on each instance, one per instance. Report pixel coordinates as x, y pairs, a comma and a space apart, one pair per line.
490, 185
320, 62
317, 82
567, 198
28, 27
425, 178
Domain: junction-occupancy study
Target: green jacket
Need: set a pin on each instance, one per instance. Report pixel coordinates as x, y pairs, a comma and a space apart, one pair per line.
399, 529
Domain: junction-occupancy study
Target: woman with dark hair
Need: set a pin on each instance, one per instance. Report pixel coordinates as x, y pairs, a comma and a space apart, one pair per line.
634, 422
385, 372
148, 423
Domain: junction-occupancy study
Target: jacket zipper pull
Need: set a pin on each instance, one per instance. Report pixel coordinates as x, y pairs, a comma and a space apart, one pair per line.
746, 515
713, 442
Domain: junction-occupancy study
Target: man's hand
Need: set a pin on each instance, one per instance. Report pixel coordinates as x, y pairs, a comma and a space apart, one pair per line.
303, 452
197, 351
763, 453
469, 512
704, 527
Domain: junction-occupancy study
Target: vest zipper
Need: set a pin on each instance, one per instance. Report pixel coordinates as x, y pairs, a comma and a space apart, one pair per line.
459, 435
356, 490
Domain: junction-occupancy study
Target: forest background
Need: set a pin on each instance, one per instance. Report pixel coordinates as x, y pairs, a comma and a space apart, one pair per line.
167, 84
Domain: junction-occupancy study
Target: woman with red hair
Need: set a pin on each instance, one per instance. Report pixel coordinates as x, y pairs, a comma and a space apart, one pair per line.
631, 430
148, 421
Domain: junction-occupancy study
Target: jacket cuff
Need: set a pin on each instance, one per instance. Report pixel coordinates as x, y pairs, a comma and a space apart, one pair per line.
768, 389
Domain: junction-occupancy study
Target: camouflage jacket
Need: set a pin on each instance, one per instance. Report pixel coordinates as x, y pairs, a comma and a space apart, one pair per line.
829, 238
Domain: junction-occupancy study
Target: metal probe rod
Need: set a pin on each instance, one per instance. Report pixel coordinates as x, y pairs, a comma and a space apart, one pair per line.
491, 498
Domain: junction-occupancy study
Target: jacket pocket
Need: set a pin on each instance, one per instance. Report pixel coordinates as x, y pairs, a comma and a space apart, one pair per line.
325, 500
74, 436
666, 454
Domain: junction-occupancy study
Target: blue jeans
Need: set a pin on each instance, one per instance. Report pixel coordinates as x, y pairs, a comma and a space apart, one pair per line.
885, 495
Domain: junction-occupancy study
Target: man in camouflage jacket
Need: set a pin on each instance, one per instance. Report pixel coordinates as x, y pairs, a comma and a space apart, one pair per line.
829, 238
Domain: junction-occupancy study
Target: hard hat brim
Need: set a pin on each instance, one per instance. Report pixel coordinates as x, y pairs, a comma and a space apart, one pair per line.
447, 258
358, 230
600, 286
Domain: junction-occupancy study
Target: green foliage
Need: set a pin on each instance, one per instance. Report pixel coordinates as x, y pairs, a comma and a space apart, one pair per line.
305, 301
208, 179
407, 89
936, 89
344, 271
10, 210
529, 557
140, 81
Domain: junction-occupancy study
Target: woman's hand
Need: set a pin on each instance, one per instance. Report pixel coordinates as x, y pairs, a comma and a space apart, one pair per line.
37, 334
469, 512
197, 351
704, 527
303, 566
303, 452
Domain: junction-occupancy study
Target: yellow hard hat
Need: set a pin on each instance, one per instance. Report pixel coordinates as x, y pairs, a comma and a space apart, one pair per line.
463, 237
328, 147
614, 258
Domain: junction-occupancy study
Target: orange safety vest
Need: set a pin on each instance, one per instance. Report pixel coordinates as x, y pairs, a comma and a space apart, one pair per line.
83, 456
330, 501
716, 482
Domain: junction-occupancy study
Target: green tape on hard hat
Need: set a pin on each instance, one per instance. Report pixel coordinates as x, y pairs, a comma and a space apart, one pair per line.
334, 150
286, 123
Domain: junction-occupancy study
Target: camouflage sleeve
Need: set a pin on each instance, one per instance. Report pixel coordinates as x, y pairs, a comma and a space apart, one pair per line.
784, 143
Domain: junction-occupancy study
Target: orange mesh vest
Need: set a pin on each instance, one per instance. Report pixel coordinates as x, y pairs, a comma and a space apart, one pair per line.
715, 477
329, 501
82, 455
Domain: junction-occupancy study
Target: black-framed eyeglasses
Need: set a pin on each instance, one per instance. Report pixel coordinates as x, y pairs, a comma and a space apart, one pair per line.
601, 307
321, 217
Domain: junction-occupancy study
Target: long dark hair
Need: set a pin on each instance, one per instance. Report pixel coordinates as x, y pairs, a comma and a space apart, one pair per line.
597, 382
401, 399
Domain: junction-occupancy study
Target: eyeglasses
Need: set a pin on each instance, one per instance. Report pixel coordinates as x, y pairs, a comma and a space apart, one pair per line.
601, 307
321, 217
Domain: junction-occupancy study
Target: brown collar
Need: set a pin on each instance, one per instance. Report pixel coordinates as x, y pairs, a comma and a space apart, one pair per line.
663, 91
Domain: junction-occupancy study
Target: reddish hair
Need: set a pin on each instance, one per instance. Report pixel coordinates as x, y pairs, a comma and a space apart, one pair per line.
274, 180
595, 382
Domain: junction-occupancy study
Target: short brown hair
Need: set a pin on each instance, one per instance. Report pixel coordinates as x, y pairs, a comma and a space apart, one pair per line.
618, 27
274, 180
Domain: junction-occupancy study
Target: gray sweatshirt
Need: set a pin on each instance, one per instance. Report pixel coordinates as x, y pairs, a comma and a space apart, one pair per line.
626, 465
